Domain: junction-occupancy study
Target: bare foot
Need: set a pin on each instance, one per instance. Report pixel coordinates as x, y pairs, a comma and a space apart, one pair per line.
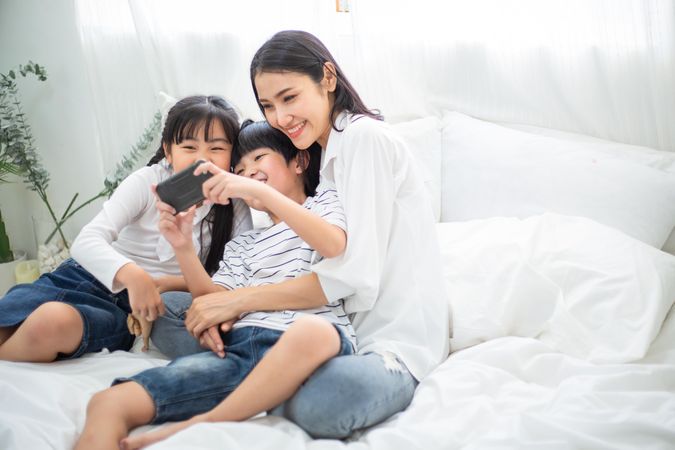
145, 439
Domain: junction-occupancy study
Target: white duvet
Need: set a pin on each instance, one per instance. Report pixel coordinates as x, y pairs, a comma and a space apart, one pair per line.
562, 340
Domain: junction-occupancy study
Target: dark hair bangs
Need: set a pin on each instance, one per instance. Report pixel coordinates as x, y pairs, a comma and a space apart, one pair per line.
188, 124
255, 135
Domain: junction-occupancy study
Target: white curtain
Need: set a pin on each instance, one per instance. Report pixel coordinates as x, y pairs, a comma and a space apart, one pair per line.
134, 49
599, 67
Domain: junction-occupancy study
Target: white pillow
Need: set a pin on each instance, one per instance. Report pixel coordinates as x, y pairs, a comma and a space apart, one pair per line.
423, 138
490, 170
580, 287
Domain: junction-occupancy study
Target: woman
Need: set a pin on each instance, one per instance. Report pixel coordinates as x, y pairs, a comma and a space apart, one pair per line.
389, 274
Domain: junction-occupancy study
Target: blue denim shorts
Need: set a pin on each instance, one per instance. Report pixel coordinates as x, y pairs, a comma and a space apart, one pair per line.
104, 314
197, 383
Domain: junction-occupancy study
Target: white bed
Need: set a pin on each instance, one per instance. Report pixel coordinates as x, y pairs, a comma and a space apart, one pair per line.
564, 331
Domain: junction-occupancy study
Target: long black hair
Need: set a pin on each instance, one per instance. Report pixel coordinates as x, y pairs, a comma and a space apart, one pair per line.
302, 52
185, 118
255, 135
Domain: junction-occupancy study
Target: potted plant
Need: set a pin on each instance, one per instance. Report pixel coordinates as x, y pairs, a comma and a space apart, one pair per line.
8, 258
17, 147
6, 254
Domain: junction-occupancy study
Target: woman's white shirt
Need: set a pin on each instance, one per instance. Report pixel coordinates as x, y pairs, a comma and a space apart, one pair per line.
390, 272
125, 230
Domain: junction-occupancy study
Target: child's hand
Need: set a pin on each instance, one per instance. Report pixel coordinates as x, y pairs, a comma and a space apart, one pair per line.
144, 297
219, 308
223, 186
210, 339
138, 326
177, 229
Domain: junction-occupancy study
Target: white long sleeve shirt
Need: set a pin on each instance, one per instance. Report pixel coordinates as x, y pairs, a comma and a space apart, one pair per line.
390, 272
125, 230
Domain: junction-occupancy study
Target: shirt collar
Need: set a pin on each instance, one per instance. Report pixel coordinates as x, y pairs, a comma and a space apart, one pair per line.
341, 122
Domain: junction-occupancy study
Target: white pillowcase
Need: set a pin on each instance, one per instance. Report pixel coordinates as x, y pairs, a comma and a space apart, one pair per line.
490, 170
580, 287
423, 138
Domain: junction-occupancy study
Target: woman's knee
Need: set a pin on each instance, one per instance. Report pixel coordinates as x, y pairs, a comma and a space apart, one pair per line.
325, 405
349, 393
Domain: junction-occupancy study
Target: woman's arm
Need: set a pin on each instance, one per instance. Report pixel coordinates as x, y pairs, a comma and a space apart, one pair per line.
370, 173
223, 307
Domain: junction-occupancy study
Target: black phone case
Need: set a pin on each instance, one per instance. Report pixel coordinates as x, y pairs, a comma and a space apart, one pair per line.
183, 189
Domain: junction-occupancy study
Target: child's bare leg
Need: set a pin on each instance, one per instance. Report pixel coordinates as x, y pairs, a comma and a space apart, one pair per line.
53, 328
112, 413
6, 332
305, 346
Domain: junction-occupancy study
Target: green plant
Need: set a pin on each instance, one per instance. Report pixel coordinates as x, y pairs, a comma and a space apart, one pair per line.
12, 140
16, 136
18, 154
6, 167
6, 254
122, 170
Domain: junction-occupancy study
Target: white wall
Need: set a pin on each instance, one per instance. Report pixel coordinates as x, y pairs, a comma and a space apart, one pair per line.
45, 33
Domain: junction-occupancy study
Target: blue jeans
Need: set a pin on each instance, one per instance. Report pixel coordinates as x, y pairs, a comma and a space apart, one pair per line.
349, 393
197, 383
169, 334
104, 314
346, 394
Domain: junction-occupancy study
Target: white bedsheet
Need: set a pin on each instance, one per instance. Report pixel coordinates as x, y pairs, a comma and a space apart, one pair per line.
506, 392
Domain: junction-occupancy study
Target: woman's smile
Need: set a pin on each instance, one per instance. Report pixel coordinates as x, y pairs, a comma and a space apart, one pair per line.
295, 131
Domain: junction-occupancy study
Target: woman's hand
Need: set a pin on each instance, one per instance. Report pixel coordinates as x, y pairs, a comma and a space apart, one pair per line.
219, 308
223, 186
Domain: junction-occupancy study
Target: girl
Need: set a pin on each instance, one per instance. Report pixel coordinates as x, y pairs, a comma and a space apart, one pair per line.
120, 262
389, 273
280, 349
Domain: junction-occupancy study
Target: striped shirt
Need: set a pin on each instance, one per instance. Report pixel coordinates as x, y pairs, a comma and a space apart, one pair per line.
274, 254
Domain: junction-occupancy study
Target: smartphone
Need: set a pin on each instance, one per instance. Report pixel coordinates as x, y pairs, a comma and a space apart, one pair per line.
183, 189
